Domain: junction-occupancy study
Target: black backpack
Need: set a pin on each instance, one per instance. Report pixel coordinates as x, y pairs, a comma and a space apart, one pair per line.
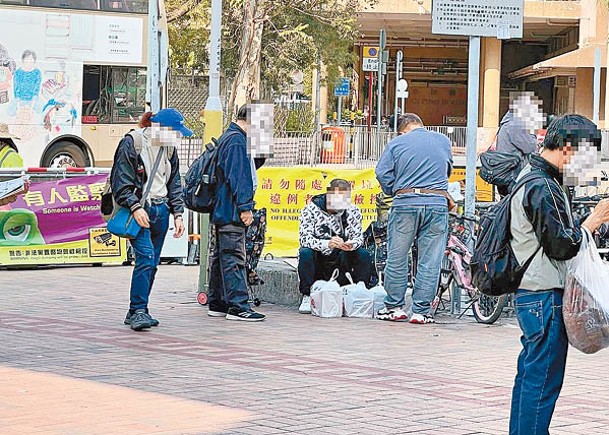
495, 269
201, 180
501, 168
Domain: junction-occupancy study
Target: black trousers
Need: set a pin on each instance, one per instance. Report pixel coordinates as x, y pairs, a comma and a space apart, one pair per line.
227, 277
313, 265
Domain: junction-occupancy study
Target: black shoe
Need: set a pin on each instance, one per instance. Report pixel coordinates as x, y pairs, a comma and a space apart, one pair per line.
217, 311
139, 320
244, 316
152, 320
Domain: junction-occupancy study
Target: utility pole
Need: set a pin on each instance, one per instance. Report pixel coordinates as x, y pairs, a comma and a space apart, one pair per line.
382, 69
398, 75
213, 122
153, 82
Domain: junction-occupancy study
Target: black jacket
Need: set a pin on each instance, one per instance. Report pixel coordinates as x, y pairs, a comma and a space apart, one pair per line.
128, 177
541, 215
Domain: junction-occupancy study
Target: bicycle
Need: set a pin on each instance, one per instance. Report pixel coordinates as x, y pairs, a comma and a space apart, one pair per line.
455, 274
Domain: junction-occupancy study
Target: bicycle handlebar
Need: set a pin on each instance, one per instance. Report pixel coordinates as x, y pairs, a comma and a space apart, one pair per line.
463, 217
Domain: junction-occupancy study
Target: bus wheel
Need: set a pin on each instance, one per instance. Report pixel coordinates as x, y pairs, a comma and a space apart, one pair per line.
64, 155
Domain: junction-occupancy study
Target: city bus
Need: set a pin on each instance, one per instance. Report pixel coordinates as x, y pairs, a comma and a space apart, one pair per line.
72, 77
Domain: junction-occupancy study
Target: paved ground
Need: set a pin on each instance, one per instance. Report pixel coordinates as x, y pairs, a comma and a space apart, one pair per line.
69, 366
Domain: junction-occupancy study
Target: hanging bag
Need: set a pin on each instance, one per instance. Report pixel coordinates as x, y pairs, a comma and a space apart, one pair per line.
123, 224
585, 304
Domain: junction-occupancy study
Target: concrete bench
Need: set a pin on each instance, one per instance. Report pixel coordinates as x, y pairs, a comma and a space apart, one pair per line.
280, 283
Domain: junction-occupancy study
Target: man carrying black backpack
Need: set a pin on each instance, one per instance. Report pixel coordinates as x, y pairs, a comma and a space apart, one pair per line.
543, 234
232, 214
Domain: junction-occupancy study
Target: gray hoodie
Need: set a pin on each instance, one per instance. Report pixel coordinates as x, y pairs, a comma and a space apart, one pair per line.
514, 137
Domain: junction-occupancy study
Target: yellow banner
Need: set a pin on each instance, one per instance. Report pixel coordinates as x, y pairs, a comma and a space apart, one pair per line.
484, 191
285, 191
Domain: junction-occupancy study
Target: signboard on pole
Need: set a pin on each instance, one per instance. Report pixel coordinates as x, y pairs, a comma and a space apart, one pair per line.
342, 90
401, 89
500, 19
370, 60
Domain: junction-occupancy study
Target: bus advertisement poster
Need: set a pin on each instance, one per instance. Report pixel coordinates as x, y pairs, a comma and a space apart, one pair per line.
59, 222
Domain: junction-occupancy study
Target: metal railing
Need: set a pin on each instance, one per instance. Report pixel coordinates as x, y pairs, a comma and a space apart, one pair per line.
355, 146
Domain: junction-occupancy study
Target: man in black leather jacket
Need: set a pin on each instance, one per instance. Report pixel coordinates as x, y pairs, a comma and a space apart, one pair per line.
542, 228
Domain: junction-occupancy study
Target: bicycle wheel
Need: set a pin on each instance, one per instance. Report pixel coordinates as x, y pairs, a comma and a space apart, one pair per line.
487, 309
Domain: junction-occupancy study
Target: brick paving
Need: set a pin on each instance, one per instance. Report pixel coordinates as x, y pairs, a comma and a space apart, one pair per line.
69, 366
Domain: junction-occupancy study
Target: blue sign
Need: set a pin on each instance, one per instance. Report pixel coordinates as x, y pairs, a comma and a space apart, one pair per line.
342, 90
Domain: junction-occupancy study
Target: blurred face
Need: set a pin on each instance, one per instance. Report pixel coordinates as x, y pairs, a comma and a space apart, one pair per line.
581, 166
29, 63
164, 136
338, 200
527, 109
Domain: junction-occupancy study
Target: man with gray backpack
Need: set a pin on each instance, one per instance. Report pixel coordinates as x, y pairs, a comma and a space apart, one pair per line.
521, 248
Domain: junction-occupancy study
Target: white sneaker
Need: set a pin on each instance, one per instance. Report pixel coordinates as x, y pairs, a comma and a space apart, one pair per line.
396, 314
421, 319
305, 305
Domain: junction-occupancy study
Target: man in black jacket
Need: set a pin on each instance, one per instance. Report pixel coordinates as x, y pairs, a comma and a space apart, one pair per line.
542, 228
233, 213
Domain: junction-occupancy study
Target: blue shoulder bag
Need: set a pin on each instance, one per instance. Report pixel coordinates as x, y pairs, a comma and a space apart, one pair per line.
123, 224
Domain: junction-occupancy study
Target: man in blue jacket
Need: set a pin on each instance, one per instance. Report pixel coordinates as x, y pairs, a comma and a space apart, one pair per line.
233, 213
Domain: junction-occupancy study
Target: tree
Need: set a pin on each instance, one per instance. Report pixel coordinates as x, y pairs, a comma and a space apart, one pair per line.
265, 41
188, 24
279, 38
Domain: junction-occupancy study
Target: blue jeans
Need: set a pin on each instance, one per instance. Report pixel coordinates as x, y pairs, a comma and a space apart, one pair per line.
541, 364
227, 276
148, 245
429, 225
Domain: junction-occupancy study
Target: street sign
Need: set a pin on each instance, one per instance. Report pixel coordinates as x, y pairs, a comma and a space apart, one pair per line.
500, 19
370, 59
370, 64
370, 52
401, 89
342, 90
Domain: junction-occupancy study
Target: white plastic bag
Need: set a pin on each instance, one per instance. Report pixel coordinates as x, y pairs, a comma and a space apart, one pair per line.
379, 295
358, 300
327, 298
586, 298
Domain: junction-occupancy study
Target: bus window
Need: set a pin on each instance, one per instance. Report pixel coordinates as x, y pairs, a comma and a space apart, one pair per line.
138, 6
69, 4
113, 94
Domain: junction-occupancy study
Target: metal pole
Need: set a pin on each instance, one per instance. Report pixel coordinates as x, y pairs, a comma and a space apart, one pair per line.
153, 91
213, 122
340, 109
473, 87
318, 94
369, 101
597, 85
379, 88
398, 76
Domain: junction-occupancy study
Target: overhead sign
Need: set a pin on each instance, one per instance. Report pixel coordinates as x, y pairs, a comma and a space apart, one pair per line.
370, 60
342, 90
500, 19
401, 89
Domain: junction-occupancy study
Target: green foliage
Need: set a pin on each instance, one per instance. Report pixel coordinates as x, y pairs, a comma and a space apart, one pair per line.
296, 34
189, 36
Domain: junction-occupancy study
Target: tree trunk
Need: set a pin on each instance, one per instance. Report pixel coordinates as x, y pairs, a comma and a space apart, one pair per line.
246, 84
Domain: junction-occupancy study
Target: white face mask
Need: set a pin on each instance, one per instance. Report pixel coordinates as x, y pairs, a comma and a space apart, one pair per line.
583, 168
338, 201
164, 136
